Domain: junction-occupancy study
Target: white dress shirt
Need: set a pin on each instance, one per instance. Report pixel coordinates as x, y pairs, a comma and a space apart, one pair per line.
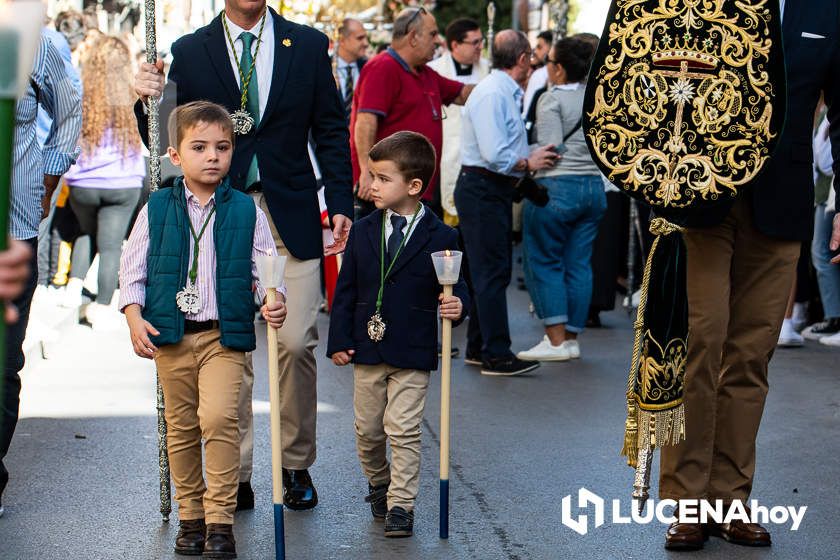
265, 58
389, 227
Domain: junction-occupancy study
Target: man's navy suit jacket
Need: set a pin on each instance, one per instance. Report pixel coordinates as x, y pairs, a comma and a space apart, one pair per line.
783, 194
410, 298
302, 99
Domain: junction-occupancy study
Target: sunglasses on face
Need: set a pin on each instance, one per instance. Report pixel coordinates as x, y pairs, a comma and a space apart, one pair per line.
414, 16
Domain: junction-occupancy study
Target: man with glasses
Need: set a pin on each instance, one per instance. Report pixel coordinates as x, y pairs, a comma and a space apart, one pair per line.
495, 153
462, 61
397, 91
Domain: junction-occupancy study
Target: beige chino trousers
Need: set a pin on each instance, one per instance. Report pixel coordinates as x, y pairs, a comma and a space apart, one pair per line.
298, 375
388, 404
201, 380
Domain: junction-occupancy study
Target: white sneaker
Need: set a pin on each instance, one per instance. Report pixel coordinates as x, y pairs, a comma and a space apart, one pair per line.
103, 318
789, 338
72, 294
833, 340
573, 347
545, 352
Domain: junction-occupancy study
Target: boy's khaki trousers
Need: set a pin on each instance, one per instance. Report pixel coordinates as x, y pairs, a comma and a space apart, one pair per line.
200, 380
388, 404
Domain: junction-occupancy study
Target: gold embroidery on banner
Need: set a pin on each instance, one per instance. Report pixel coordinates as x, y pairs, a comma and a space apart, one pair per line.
683, 100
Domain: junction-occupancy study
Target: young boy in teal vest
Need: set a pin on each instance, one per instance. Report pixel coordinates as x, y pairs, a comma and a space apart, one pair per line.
388, 281
187, 276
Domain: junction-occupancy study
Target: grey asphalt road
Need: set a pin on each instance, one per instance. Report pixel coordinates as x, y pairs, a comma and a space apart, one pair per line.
84, 460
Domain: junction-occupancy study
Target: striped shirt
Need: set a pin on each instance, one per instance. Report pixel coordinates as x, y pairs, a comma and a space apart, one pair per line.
61, 100
133, 265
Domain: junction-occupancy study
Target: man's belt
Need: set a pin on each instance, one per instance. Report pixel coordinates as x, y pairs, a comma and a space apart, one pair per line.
191, 327
507, 179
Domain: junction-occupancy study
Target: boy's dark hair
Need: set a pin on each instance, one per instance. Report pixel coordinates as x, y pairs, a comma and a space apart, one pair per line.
575, 56
411, 152
187, 116
458, 29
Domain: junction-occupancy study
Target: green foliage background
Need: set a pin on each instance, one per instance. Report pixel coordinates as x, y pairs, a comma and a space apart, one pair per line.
448, 10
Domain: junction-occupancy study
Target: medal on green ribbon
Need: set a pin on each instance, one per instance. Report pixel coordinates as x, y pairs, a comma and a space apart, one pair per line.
188, 299
376, 326
243, 121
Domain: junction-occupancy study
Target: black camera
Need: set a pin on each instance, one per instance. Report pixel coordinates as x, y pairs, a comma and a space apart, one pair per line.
528, 188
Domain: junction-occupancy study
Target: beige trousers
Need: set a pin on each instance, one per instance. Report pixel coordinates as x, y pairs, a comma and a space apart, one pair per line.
739, 281
200, 380
388, 404
298, 379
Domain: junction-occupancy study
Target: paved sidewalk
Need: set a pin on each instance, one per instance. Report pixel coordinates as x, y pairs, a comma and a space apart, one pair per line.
84, 460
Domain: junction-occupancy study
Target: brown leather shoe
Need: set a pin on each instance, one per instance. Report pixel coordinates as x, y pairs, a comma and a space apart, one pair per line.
190, 538
220, 542
738, 532
685, 536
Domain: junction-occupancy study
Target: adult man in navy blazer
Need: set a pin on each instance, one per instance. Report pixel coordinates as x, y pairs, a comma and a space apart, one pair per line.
741, 265
300, 99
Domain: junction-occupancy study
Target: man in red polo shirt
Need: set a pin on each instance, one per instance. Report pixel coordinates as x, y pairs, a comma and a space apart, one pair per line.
397, 91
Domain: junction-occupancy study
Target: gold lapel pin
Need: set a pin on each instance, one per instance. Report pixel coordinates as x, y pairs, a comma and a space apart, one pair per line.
287, 42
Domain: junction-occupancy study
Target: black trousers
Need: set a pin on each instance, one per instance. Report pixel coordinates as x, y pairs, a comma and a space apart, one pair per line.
606, 254
484, 206
14, 363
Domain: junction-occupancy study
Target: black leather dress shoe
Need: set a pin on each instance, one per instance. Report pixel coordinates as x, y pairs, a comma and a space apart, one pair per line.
244, 497
190, 538
298, 491
399, 523
220, 542
377, 498
739, 532
686, 536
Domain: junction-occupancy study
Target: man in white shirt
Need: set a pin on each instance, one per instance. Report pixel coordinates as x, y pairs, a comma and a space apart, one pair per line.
539, 77
462, 61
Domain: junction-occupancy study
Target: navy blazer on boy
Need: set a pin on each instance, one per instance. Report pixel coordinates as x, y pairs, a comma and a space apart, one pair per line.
302, 100
409, 302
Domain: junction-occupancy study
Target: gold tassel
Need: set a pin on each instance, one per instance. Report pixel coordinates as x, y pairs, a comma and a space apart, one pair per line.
644, 428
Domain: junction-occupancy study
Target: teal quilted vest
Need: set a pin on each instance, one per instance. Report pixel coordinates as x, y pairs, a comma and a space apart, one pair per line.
169, 251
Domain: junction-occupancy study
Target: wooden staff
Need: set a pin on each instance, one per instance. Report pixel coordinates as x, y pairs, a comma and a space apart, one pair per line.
154, 183
270, 271
445, 392
447, 267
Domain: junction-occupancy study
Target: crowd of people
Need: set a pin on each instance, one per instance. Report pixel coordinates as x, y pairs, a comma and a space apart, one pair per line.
424, 143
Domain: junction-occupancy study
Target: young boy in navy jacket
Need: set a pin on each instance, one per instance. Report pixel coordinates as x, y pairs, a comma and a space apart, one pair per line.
384, 320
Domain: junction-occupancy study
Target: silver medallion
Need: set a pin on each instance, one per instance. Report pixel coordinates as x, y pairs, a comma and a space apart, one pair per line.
243, 122
189, 300
376, 328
